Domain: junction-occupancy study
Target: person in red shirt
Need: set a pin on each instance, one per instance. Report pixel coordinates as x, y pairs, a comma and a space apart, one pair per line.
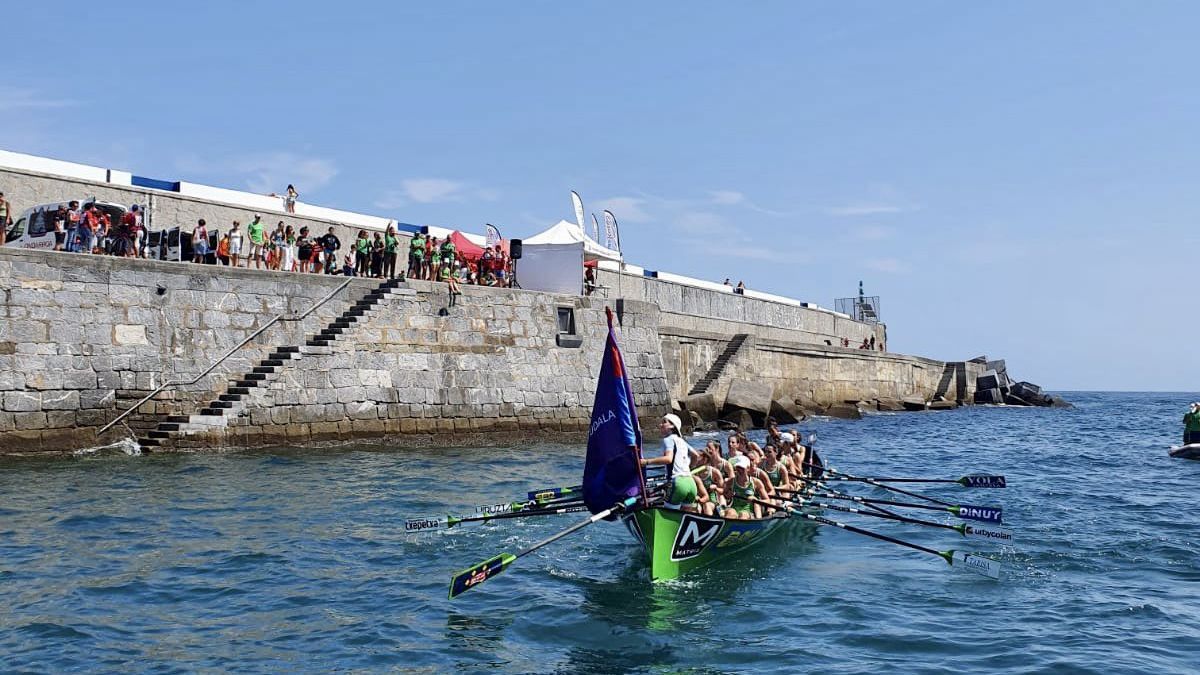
128, 235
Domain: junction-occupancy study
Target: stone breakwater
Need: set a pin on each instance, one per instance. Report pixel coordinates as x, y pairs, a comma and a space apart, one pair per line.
86, 337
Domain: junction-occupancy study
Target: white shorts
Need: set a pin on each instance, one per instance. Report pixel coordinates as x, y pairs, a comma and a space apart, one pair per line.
235, 246
258, 250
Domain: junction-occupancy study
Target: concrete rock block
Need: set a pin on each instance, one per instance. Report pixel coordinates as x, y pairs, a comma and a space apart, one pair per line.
844, 411
913, 403
786, 412
704, 405
753, 395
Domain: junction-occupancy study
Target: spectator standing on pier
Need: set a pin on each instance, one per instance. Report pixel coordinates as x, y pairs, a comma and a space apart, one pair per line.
391, 246
60, 228
288, 261
223, 250
235, 243
416, 256
362, 254
289, 200
377, 256
73, 215
277, 239
199, 241
256, 232
304, 251
330, 244
130, 229
741, 288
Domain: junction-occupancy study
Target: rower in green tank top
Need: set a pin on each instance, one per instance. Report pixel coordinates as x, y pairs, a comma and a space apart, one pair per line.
741, 489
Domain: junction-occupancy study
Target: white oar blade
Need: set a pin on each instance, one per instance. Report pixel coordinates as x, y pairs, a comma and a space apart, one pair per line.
424, 524
977, 564
999, 535
494, 509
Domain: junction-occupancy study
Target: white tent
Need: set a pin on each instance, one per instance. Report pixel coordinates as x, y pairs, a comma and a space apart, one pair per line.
552, 261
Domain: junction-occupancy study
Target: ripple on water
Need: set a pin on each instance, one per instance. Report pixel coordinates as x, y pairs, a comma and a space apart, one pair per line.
297, 560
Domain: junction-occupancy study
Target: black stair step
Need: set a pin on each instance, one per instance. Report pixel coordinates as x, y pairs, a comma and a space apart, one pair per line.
355, 312
317, 343
149, 442
229, 397
178, 419
221, 404
278, 363
344, 325
168, 426
212, 412
279, 356
158, 434
245, 384
288, 350
332, 331
244, 391
258, 377
347, 317
375, 295
263, 370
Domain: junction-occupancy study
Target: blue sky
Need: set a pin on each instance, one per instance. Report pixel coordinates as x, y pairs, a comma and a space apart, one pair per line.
1014, 179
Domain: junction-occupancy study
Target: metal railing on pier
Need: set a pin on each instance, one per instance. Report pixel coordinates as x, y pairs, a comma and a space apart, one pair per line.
284, 316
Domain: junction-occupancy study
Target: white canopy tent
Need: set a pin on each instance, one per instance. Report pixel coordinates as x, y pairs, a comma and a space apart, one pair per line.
552, 261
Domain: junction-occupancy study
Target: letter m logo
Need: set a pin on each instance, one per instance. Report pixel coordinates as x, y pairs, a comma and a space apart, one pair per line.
695, 534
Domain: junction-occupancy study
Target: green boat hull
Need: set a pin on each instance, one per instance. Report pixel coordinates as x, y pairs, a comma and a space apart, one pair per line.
679, 542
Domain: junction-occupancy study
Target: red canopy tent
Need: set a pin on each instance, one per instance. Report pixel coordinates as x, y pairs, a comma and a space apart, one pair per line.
469, 250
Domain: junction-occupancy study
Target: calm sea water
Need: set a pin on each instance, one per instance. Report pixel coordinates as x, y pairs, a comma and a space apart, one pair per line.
296, 560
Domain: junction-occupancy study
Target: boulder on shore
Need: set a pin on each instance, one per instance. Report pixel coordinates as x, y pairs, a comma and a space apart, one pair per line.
809, 406
737, 420
913, 403
943, 405
888, 404
752, 395
785, 412
844, 411
703, 405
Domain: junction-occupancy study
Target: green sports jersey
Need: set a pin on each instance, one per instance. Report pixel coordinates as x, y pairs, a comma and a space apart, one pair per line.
255, 232
1191, 421
362, 245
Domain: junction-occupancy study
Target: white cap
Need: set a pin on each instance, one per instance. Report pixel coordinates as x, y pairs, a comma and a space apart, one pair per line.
787, 437
741, 462
674, 420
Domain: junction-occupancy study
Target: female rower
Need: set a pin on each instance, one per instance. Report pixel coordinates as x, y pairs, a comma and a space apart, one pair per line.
711, 481
741, 490
682, 489
776, 472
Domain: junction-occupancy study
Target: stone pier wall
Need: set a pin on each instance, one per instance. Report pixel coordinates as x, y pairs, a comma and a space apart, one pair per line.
83, 337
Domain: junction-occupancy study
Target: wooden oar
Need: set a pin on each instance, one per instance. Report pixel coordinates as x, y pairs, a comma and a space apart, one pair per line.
439, 523
973, 562
473, 576
986, 514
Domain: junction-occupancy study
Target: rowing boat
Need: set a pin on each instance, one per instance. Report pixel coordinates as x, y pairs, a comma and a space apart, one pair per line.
678, 542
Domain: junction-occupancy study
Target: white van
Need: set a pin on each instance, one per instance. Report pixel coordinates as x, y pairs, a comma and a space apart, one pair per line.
35, 228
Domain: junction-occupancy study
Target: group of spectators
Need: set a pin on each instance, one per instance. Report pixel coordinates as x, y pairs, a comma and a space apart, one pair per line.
370, 255
88, 229
434, 260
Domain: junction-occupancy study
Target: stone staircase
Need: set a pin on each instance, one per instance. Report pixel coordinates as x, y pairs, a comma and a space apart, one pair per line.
718, 366
216, 413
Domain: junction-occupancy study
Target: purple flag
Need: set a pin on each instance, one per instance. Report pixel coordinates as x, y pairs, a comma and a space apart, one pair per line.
612, 471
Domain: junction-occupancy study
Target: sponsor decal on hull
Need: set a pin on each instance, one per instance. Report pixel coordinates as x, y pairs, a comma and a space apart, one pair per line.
694, 535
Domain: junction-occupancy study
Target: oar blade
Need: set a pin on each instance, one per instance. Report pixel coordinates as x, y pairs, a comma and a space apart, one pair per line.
981, 481
413, 525
999, 535
472, 577
553, 493
983, 514
975, 563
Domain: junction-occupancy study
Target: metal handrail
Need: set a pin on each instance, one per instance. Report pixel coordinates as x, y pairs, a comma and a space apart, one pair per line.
174, 383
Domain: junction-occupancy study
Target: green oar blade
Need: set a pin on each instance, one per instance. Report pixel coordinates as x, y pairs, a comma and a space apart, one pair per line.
974, 563
469, 578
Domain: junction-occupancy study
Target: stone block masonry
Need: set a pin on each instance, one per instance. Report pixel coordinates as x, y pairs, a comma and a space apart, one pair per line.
84, 337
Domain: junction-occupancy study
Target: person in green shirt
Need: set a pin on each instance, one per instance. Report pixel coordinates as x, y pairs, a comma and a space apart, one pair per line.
256, 232
1191, 425
362, 254
416, 256
390, 245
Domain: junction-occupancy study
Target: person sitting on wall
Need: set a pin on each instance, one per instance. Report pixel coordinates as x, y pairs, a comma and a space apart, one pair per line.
865, 344
741, 288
